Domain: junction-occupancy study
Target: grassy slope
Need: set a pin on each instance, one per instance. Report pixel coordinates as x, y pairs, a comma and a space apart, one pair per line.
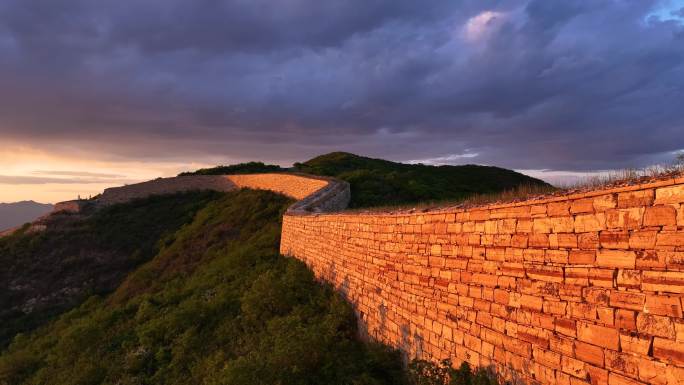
377, 182
241, 168
216, 305
55, 270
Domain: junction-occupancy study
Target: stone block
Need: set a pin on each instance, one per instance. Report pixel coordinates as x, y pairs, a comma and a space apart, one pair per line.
597, 376
648, 259
565, 224
588, 241
582, 257
655, 325
660, 216
590, 222
582, 206
555, 209
573, 367
669, 351
541, 225
544, 273
616, 379
577, 276
642, 239
589, 353
672, 194
635, 198
674, 260
663, 305
538, 240
627, 300
625, 219
614, 239
663, 281
598, 335
634, 343
567, 240
531, 302
604, 202
630, 279
623, 363
625, 319
556, 256
670, 238
616, 258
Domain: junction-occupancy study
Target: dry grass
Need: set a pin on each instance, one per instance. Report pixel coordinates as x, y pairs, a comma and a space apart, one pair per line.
612, 179
520, 193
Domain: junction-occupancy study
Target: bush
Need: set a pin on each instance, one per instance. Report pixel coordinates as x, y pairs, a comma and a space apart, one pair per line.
216, 305
427, 373
240, 168
377, 182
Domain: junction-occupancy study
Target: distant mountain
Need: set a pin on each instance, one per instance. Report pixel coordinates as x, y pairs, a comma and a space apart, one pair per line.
379, 182
15, 214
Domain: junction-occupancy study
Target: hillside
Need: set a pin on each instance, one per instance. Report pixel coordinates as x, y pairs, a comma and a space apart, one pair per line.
240, 168
46, 273
215, 304
377, 182
16, 214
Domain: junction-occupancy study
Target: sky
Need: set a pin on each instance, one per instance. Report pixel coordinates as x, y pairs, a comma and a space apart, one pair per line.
97, 94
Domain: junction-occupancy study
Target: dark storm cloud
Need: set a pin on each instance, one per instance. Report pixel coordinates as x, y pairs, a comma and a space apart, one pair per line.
571, 85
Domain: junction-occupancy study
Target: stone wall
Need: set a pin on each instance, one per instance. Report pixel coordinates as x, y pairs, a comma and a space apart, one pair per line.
158, 186
74, 206
292, 185
586, 288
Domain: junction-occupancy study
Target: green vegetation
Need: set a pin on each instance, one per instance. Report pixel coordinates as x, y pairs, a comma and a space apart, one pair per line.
241, 168
216, 305
190, 289
55, 270
426, 373
377, 182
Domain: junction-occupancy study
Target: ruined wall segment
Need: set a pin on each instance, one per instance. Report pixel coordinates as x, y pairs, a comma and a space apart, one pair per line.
293, 185
158, 186
581, 289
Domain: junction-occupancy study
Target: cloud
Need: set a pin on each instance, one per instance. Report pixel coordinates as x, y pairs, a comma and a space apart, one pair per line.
574, 86
445, 160
78, 174
25, 180
478, 26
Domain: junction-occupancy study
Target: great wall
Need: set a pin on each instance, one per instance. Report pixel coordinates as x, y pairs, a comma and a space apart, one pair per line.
585, 288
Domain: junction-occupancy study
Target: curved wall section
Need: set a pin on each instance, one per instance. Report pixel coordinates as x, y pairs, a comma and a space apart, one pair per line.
292, 185
586, 288
303, 188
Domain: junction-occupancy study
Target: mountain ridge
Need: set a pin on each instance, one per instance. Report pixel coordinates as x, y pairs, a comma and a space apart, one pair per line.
17, 213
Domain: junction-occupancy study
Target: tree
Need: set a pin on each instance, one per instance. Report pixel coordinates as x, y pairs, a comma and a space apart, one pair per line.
679, 159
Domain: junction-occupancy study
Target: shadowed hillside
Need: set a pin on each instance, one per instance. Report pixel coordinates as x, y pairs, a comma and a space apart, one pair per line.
45, 273
216, 305
377, 182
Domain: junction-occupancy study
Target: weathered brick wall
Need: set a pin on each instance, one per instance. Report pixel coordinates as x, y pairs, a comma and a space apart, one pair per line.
586, 288
165, 186
295, 186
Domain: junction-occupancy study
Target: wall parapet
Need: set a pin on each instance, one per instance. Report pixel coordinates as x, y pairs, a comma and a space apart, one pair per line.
313, 194
584, 288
